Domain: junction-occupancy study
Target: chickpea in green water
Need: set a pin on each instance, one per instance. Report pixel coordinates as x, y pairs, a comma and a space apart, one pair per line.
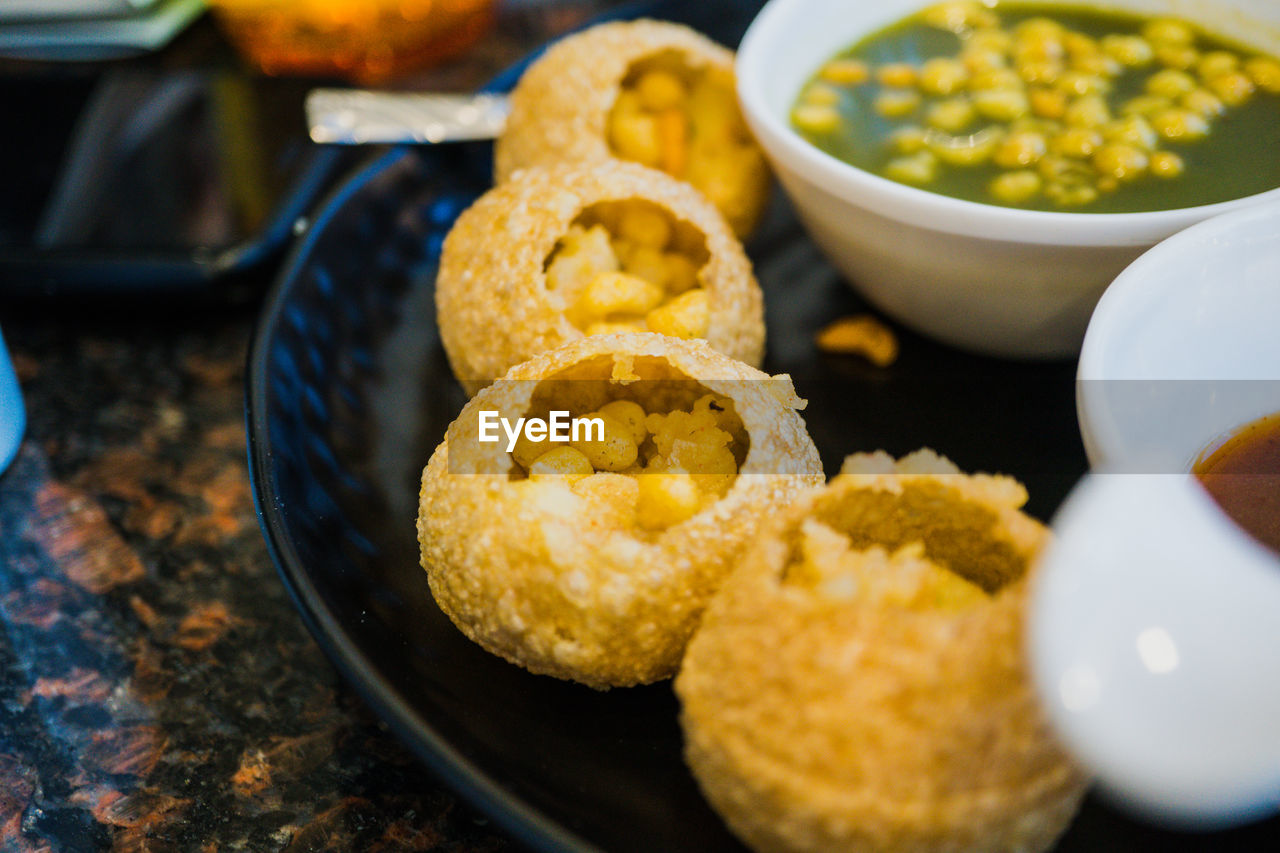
1053, 108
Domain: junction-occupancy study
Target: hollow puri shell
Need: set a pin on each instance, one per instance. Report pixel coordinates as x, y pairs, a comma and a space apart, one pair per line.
820, 717
561, 106
548, 579
494, 306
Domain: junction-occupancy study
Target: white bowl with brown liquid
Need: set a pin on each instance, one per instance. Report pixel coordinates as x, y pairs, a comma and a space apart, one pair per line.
1156, 624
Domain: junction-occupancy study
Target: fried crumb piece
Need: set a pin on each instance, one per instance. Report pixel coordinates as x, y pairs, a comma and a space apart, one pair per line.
859, 334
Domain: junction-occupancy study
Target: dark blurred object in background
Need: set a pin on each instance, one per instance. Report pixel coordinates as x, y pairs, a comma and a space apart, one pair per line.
91, 30
141, 179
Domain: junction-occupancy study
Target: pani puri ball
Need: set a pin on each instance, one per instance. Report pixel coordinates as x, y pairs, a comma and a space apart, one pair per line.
563, 252
649, 92
859, 682
592, 559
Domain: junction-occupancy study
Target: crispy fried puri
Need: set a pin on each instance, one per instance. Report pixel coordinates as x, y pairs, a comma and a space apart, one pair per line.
495, 305
564, 110
859, 682
564, 582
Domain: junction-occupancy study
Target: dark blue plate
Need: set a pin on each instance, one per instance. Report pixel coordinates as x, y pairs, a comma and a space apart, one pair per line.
349, 392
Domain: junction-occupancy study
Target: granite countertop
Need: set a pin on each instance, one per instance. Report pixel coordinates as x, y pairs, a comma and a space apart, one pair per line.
158, 690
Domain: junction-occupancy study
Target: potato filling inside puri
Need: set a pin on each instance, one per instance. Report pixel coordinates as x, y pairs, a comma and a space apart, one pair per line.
685, 121
921, 548
630, 266
666, 447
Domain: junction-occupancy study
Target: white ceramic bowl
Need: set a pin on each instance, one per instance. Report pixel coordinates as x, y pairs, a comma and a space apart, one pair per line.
1155, 629
1184, 345
987, 278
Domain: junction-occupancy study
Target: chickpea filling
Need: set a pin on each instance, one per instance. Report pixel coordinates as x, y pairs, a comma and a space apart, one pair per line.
1055, 116
829, 564
669, 447
923, 547
686, 122
630, 266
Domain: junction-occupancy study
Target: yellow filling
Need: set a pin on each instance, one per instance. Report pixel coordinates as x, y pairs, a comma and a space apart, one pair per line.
831, 565
631, 267
657, 468
687, 123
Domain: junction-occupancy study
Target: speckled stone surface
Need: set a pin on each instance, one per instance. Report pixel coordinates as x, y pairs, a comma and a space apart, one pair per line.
158, 690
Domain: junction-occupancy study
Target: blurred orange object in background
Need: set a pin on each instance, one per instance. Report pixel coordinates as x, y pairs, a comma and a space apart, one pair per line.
365, 41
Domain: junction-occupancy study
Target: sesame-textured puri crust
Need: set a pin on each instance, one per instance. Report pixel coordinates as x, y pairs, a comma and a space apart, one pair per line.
492, 302
819, 724
555, 587
560, 107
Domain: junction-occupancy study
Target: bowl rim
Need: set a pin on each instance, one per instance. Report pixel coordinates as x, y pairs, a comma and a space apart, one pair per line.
792, 153
1121, 303
1135, 279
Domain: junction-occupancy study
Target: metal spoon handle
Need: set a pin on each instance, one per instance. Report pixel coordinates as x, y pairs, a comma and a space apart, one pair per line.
361, 117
